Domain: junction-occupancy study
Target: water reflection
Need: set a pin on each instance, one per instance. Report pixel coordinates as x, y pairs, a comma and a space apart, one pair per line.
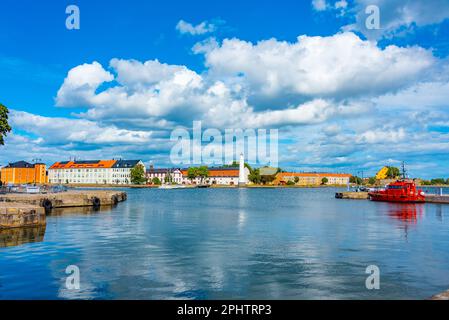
439, 212
408, 213
222, 244
19, 236
80, 210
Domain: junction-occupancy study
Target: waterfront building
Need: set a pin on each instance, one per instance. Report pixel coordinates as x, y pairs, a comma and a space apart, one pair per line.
308, 179
22, 172
165, 175
93, 172
228, 176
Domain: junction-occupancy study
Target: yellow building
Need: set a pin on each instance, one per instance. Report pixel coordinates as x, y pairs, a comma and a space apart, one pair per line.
24, 173
307, 179
382, 174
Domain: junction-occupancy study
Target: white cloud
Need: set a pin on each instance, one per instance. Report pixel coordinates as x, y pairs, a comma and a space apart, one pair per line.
421, 96
204, 27
342, 4
319, 5
382, 136
353, 96
157, 92
81, 84
396, 15
336, 66
325, 78
64, 130
312, 112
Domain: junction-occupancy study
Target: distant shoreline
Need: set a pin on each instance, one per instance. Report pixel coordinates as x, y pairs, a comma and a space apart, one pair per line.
132, 186
211, 187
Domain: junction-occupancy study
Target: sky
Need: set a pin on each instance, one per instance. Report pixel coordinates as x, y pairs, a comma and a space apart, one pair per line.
344, 98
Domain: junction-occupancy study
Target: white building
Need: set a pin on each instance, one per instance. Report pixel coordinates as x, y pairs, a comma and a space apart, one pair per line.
92, 172
218, 176
165, 175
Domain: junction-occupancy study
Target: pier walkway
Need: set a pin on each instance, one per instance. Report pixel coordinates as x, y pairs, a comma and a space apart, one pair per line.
430, 198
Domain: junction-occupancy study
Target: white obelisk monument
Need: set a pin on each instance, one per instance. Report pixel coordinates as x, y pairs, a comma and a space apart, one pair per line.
242, 178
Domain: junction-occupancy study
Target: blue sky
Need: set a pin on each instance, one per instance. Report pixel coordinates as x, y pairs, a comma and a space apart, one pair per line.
343, 98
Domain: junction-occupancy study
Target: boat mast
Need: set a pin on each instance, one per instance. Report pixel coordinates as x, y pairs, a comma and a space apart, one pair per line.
404, 173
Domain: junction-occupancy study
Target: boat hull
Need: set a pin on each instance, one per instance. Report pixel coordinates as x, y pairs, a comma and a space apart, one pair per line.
399, 199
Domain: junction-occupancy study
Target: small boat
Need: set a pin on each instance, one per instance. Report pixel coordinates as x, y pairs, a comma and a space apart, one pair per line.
403, 190
203, 186
172, 186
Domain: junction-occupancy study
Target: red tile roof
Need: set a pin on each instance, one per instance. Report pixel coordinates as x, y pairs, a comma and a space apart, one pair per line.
84, 164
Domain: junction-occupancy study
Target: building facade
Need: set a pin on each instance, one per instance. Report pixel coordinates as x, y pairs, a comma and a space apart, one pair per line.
165, 175
218, 176
23, 172
312, 179
92, 172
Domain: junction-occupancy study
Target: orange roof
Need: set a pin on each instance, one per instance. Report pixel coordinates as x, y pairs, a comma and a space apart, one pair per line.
223, 173
84, 164
216, 173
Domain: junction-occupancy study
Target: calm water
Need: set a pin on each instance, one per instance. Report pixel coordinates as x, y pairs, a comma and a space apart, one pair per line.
230, 243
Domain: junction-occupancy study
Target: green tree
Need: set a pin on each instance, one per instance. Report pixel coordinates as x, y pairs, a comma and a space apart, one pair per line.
393, 172
372, 180
138, 175
296, 180
254, 176
447, 181
267, 179
290, 183
324, 181
168, 178
355, 180
192, 173
203, 173
156, 181
4, 126
437, 181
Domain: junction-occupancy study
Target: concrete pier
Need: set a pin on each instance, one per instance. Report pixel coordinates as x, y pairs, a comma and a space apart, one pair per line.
15, 215
432, 198
49, 201
352, 195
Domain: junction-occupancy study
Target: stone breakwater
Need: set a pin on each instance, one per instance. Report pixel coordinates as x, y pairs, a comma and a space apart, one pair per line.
15, 215
94, 198
28, 210
352, 195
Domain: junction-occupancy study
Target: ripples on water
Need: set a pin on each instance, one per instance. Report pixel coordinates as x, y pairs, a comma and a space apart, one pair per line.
231, 243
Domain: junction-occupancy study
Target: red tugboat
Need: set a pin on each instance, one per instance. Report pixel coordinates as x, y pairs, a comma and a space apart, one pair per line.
402, 190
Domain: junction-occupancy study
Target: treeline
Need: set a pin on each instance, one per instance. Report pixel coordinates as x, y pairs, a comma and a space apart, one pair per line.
437, 181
